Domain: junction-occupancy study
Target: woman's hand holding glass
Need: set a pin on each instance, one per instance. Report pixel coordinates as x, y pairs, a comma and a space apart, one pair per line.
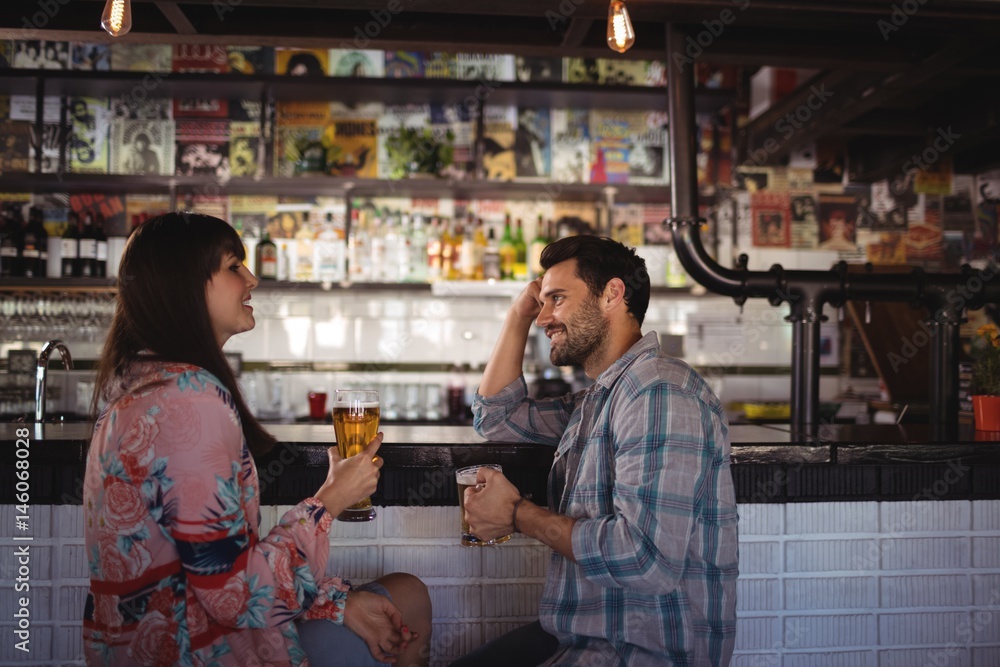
352, 479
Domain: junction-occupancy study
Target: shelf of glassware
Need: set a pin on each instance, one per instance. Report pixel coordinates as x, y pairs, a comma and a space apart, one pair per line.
335, 186
441, 288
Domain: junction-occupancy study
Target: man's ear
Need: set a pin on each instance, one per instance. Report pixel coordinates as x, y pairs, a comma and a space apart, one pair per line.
614, 293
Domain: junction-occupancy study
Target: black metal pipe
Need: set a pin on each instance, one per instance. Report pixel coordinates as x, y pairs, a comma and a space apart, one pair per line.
684, 152
805, 371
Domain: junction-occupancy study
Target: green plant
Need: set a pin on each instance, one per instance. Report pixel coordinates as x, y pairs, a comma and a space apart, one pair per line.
417, 151
986, 369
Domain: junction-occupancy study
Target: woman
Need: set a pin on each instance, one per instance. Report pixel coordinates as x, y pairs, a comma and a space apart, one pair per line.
179, 573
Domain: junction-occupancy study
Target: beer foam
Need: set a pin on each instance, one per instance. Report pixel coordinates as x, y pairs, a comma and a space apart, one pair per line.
352, 404
468, 479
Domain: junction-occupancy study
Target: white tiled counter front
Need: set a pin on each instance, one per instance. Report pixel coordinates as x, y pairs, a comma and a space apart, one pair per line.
867, 584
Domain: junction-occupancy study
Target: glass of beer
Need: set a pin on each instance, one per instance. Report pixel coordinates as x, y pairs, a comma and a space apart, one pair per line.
466, 477
355, 423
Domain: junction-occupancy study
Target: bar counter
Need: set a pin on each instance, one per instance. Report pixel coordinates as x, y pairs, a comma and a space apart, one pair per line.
771, 464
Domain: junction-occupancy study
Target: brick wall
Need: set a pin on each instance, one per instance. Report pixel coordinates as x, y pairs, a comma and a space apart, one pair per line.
822, 584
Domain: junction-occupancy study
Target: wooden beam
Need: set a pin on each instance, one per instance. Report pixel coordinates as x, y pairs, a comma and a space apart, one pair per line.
576, 32
177, 18
833, 99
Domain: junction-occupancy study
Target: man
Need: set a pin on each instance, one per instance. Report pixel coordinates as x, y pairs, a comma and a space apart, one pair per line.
142, 159
642, 513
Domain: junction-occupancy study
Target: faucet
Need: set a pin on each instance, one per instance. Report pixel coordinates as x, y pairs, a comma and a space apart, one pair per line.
41, 372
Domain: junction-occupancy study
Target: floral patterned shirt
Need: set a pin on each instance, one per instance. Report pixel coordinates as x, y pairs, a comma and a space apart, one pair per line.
179, 574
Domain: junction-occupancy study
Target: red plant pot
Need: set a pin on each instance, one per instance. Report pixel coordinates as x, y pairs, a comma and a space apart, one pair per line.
987, 412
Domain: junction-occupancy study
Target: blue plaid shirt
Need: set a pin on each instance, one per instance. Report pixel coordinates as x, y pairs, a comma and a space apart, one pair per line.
642, 464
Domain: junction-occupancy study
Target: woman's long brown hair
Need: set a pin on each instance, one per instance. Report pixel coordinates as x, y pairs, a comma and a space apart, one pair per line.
161, 306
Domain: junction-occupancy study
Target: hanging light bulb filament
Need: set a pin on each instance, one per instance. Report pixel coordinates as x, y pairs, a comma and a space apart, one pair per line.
621, 36
117, 17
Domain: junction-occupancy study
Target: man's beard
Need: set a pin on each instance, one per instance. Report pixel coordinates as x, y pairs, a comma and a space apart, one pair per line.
585, 334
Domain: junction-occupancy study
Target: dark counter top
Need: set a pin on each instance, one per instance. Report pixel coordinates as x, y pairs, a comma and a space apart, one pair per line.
771, 463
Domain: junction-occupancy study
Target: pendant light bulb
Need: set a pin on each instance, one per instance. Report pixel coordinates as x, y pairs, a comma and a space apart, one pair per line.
621, 36
117, 17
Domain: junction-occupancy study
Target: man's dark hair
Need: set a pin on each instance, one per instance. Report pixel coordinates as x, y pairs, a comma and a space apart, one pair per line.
598, 260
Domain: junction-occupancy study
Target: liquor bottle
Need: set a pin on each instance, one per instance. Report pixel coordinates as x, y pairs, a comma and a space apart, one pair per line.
434, 251
86, 259
457, 236
491, 257
479, 240
101, 265
535, 249
10, 243
305, 238
358, 249
404, 244
448, 259
70, 245
508, 253
418, 249
467, 254
377, 245
267, 258
34, 255
521, 251
330, 252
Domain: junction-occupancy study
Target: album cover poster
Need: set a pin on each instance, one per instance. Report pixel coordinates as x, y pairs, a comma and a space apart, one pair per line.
837, 222
141, 57
87, 151
395, 117
440, 65
142, 147
936, 179
128, 107
533, 144
90, 57
771, 219
14, 146
40, 54
301, 62
581, 70
957, 214
616, 72
250, 60
53, 132
648, 151
804, 223
530, 68
249, 214
499, 125
484, 67
109, 206
244, 148
883, 247
352, 147
138, 207
200, 58
356, 63
459, 119
244, 110
6, 53
404, 65
571, 145
194, 107
610, 132
203, 148
924, 241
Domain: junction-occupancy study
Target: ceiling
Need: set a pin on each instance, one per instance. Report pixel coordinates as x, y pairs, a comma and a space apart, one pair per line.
897, 73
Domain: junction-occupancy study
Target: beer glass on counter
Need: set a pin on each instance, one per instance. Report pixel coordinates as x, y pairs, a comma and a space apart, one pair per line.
466, 477
355, 423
